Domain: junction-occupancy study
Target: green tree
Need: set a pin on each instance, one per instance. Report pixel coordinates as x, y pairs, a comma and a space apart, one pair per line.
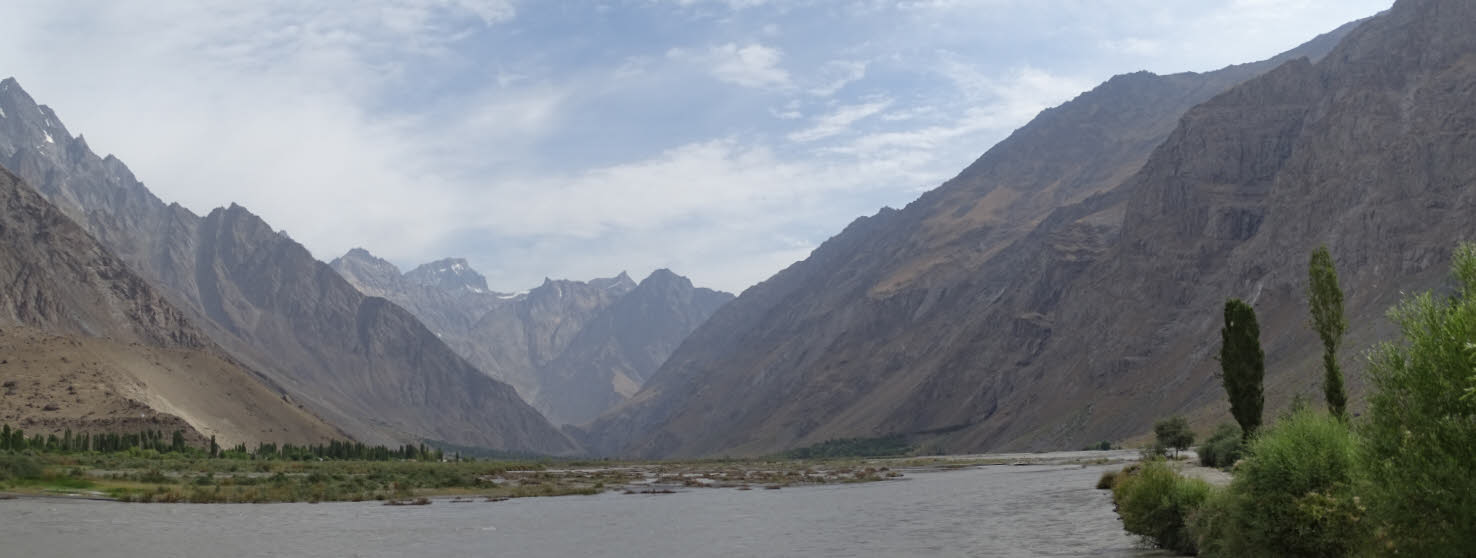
1174, 432
1420, 438
1242, 365
1326, 300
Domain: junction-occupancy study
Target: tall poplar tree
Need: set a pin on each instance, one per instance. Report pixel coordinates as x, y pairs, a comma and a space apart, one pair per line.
1242, 365
1326, 300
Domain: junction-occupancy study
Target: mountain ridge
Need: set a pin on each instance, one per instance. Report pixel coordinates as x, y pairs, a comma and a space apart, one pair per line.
540, 341
932, 318
366, 365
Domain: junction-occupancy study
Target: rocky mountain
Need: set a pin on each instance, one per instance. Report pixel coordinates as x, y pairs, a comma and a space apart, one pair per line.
516, 341
449, 274
362, 362
446, 311
571, 348
1065, 288
614, 353
90, 346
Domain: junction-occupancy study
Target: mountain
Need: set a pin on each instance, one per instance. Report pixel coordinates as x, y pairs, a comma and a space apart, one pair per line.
449, 274
516, 341
613, 354
573, 349
446, 310
90, 346
362, 362
1025, 303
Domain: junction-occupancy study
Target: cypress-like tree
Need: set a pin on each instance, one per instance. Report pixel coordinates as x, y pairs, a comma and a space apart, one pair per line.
1243, 365
1326, 300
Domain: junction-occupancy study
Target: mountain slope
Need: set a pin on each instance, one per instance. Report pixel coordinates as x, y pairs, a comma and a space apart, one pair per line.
612, 355
573, 349
92, 347
932, 320
363, 363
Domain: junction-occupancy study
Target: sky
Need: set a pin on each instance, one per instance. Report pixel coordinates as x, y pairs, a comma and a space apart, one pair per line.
722, 139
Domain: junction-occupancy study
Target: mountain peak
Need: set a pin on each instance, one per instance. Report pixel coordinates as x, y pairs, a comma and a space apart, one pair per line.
449, 274
621, 283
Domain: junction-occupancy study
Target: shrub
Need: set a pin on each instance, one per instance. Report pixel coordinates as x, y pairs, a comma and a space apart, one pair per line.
1223, 448
1213, 526
1294, 493
1155, 503
1420, 439
17, 467
1109, 477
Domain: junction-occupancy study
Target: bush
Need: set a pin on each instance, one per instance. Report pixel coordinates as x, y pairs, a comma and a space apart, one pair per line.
1155, 503
1420, 439
18, 467
1108, 478
1223, 448
1294, 493
1213, 526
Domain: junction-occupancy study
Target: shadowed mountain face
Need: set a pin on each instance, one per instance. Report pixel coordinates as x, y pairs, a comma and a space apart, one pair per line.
90, 346
574, 349
362, 362
1066, 287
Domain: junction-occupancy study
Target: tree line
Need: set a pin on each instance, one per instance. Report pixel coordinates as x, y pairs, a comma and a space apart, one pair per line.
15, 440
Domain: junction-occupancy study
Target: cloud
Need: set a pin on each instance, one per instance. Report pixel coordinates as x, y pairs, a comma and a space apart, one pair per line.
731, 4
752, 65
558, 139
838, 121
837, 74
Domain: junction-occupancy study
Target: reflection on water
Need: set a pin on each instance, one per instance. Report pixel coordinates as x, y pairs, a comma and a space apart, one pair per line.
987, 511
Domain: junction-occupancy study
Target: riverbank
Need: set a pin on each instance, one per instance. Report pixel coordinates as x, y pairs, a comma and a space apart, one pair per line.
173, 480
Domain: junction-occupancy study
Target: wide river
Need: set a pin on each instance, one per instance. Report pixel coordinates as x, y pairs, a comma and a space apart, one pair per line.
982, 511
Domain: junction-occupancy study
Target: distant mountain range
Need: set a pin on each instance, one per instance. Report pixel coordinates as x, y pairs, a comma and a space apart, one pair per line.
573, 349
1066, 287
361, 362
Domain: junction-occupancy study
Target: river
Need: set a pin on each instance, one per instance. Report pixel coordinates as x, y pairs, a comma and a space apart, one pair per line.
980, 511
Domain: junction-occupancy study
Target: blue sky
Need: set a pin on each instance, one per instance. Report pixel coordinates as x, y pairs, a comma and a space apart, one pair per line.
723, 139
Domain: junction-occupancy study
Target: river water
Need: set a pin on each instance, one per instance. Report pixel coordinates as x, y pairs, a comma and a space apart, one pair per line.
982, 511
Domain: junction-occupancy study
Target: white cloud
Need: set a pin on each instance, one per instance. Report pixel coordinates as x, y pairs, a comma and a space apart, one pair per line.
752, 65
837, 74
731, 4
426, 128
838, 121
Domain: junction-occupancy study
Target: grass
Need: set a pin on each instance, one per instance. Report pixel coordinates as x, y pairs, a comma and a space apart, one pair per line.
169, 479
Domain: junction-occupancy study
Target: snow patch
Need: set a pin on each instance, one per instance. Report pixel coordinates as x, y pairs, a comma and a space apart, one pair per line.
512, 296
48, 137
2, 113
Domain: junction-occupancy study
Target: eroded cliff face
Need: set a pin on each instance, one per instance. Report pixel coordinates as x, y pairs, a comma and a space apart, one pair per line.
364, 364
1066, 287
